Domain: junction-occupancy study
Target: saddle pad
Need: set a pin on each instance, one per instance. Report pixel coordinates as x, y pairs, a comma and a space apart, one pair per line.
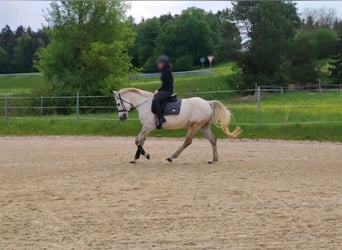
172, 108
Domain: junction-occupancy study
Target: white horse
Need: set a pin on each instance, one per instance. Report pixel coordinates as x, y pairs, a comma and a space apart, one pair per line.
195, 114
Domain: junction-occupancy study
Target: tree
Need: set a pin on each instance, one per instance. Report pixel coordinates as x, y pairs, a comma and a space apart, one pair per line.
338, 26
186, 38
229, 40
326, 42
8, 42
147, 33
165, 18
303, 60
186, 35
88, 49
320, 18
20, 47
308, 24
42, 37
24, 53
270, 28
3, 61
336, 72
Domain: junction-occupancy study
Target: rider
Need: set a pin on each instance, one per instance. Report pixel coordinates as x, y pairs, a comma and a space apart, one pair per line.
165, 91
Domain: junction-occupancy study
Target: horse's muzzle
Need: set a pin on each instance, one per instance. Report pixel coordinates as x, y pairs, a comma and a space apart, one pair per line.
123, 117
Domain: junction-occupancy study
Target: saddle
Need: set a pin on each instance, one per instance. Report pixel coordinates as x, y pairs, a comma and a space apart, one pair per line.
171, 106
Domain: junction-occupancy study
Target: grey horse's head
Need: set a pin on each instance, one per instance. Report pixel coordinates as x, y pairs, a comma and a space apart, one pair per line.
122, 105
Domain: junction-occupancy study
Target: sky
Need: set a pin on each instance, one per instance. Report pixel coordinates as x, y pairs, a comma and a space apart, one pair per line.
30, 13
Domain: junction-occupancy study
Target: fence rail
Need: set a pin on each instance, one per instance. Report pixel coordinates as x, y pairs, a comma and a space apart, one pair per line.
179, 73
90, 107
22, 74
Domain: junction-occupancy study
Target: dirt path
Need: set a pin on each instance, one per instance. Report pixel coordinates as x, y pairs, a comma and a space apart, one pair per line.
81, 193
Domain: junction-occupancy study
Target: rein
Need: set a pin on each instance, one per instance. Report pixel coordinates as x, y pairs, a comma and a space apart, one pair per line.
122, 101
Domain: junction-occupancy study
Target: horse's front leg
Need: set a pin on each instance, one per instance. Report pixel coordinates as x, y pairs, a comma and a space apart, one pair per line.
139, 141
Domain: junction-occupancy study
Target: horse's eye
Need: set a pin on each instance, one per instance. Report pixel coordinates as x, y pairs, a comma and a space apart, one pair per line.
118, 104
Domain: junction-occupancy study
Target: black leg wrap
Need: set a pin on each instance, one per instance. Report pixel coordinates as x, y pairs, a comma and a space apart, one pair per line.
137, 154
141, 149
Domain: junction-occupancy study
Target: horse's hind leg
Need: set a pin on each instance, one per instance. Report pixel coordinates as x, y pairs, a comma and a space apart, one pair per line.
212, 139
188, 140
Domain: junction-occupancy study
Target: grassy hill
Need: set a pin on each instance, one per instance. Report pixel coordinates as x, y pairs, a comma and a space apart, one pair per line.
23, 85
187, 84
20, 85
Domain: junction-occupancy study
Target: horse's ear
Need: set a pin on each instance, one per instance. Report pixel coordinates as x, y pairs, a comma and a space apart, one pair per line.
115, 93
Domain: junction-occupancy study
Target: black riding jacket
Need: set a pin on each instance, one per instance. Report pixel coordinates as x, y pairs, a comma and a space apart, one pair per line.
167, 79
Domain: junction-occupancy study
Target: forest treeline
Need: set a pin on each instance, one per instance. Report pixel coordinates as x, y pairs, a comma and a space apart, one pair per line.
271, 43
18, 48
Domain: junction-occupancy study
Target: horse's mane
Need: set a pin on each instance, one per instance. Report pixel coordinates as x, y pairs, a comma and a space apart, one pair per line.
134, 90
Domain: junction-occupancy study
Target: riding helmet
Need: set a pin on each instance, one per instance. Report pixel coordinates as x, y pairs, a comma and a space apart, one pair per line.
163, 59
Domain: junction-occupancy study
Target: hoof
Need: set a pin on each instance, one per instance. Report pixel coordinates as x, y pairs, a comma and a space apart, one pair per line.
169, 159
133, 162
147, 156
211, 162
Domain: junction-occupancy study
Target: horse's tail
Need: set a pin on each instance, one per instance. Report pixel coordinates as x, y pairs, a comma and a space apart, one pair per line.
221, 117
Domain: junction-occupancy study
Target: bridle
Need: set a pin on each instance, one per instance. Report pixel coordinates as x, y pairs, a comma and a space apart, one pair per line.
122, 104
122, 101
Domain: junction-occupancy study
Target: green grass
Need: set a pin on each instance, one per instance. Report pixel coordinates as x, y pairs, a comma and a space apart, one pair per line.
281, 114
20, 85
293, 107
70, 126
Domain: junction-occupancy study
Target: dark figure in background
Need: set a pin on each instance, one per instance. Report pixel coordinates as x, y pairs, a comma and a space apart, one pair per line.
165, 91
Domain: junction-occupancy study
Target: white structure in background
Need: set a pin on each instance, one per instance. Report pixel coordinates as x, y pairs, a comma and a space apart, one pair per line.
210, 59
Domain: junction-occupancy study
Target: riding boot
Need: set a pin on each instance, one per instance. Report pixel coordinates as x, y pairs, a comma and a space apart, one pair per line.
160, 121
157, 105
160, 118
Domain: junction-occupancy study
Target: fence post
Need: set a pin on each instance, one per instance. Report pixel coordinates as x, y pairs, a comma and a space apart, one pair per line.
78, 105
6, 108
282, 90
259, 107
41, 105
